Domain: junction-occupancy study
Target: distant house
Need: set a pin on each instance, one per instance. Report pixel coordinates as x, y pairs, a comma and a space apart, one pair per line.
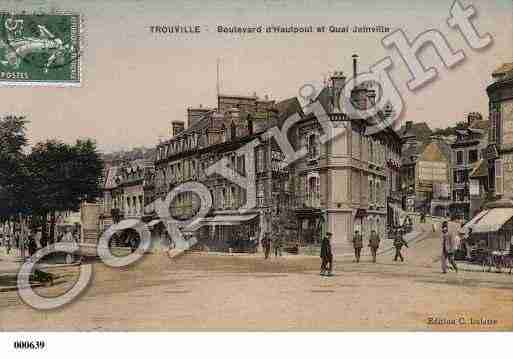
420, 131
469, 152
425, 170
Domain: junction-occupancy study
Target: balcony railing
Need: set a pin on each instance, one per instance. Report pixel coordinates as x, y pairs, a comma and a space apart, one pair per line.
309, 200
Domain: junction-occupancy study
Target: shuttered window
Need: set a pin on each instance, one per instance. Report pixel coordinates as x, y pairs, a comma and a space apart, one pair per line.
499, 183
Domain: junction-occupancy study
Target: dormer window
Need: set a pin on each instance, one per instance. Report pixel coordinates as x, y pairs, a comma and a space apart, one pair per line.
250, 126
233, 131
313, 146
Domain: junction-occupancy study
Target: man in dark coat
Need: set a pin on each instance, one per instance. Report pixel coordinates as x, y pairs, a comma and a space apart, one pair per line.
374, 244
326, 255
358, 245
399, 242
448, 248
266, 244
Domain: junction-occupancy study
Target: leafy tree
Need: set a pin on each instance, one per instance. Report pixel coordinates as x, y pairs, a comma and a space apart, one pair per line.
450, 130
64, 175
14, 177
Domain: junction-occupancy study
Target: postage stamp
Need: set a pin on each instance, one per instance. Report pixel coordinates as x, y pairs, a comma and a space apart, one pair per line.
40, 49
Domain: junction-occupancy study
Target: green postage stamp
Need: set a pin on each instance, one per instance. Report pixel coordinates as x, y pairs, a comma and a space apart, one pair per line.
40, 49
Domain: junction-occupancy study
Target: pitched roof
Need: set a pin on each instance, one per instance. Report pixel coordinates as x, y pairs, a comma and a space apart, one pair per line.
481, 169
420, 131
287, 108
324, 98
503, 69
411, 152
433, 152
445, 148
429, 150
110, 178
480, 124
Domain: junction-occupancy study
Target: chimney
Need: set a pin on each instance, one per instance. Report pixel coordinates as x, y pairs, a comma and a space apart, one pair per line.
177, 127
473, 116
338, 80
372, 96
355, 67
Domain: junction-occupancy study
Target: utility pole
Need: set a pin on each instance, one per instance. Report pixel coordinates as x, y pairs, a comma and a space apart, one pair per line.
218, 82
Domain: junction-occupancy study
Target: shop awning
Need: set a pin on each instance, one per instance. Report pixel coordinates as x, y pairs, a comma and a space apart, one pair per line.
476, 218
493, 220
125, 224
228, 220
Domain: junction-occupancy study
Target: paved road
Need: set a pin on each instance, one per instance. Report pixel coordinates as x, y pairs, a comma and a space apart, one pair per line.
212, 292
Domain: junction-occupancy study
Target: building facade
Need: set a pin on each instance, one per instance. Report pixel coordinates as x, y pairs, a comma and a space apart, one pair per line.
346, 183
218, 135
468, 150
500, 148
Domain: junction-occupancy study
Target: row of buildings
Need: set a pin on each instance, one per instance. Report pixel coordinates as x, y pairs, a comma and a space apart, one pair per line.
439, 173
349, 182
354, 181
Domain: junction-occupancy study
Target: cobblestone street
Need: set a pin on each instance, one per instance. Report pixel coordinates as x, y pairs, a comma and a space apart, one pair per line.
222, 292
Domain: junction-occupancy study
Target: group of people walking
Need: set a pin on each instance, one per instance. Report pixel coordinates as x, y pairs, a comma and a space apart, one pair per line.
374, 242
275, 243
31, 240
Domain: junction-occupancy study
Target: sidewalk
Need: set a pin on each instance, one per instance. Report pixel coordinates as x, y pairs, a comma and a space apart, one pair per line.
11, 263
386, 246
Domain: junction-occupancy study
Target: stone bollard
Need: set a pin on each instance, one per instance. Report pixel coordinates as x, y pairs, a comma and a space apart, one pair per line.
434, 227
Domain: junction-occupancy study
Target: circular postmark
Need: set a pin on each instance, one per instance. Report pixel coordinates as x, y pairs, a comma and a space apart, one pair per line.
41, 42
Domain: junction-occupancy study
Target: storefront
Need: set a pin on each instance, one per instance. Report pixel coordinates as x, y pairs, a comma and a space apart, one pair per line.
492, 228
235, 232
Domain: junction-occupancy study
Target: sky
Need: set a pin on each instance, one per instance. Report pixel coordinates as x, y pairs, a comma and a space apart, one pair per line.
135, 83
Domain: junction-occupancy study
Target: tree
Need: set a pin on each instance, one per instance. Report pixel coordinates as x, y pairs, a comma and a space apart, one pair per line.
14, 177
63, 175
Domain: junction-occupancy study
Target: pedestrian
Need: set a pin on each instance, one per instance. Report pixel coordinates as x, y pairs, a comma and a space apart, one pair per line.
37, 238
266, 244
374, 244
8, 238
357, 244
32, 245
468, 244
277, 243
68, 236
448, 248
326, 255
399, 242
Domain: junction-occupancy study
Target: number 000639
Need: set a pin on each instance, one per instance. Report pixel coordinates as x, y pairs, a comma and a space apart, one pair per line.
29, 345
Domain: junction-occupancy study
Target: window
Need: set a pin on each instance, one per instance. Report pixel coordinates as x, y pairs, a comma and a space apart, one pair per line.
371, 189
313, 185
260, 194
260, 160
224, 198
233, 131
250, 126
241, 165
313, 146
459, 157
473, 156
498, 177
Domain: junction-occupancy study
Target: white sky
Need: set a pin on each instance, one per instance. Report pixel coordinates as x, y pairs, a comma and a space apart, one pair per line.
135, 83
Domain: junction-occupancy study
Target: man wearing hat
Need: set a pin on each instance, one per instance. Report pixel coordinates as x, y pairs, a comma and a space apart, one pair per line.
374, 244
358, 245
326, 255
399, 242
448, 248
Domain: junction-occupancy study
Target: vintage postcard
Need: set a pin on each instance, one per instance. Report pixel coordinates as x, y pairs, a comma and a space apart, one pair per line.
283, 165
